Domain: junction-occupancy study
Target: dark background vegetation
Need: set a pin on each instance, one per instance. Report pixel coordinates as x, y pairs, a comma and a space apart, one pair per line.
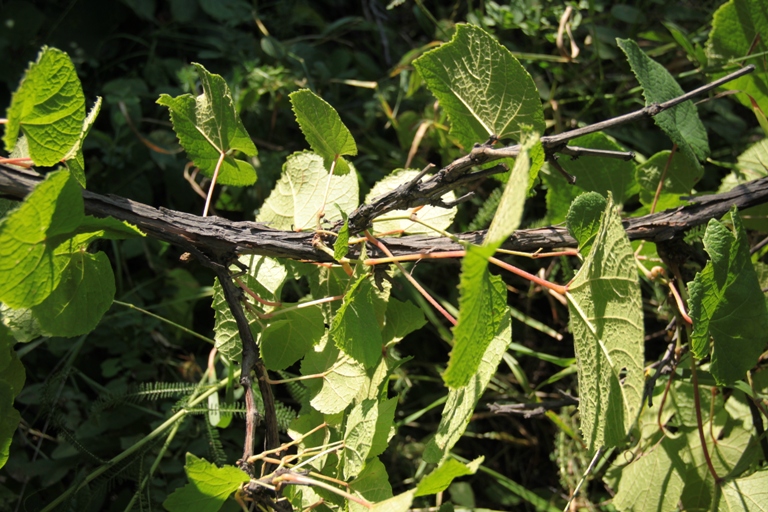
357, 56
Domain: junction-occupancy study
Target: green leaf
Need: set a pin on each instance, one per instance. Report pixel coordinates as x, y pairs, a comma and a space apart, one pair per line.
85, 292
680, 177
402, 319
680, 123
598, 174
439, 479
435, 216
371, 484
510, 210
583, 219
482, 87
23, 326
208, 126
355, 329
461, 402
653, 481
341, 245
74, 158
606, 319
400, 503
384, 427
298, 195
285, 340
208, 487
748, 494
12, 377
105, 227
339, 377
48, 108
726, 303
734, 28
358, 436
482, 307
560, 194
29, 269
322, 127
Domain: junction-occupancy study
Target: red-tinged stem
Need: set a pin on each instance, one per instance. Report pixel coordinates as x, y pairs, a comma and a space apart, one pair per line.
23, 162
213, 184
409, 277
680, 304
417, 256
697, 406
258, 299
663, 401
535, 279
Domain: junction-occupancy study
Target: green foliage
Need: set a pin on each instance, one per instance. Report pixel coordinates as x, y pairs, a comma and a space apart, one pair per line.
324, 130
607, 324
680, 123
209, 128
736, 27
365, 413
299, 194
208, 486
474, 77
727, 304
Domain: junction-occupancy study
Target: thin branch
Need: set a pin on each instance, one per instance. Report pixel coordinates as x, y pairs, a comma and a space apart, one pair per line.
531, 410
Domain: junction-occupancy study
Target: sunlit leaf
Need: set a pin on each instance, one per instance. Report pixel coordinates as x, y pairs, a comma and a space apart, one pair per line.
747, 494
442, 476
482, 86
355, 329
358, 436
482, 307
208, 126
298, 196
322, 127
339, 377
606, 318
371, 484
48, 108
583, 219
461, 402
289, 336
434, 216
208, 487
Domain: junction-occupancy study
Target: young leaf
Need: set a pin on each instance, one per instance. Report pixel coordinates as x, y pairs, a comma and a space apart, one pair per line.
48, 108
606, 319
443, 475
74, 158
298, 195
726, 303
208, 126
85, 292
322, 127
736, 25
461, 402
339, 377
435, 216
482, 87
583, 219
601, 175
358, 436
285, 340
355, 329
482, 305
208, 487
680, 123
29, 268
341, 245
510, 210
371, 484
384, 427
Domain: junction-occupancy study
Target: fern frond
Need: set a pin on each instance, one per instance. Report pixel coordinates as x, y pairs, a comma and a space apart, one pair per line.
215, 449
145, 391
297, 389
236, 409
488, 209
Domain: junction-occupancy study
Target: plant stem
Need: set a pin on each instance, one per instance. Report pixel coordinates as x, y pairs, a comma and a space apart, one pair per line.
213, 183
699, 425
535, 279
169, 322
